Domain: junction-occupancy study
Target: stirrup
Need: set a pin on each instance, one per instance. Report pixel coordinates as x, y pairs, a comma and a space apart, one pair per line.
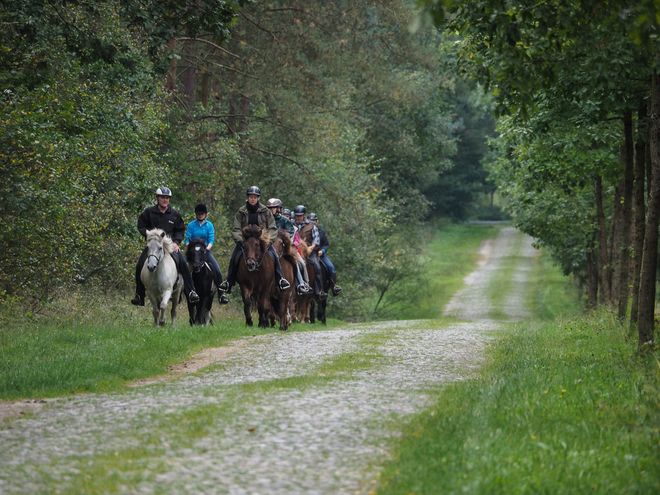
323, 295
283, 284
224, 286
193, 297
336, 290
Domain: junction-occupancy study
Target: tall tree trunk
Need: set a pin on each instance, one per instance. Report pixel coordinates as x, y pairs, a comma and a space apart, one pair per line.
245, 113
638, 206
645, 321
171, 74
603, 257
626, 214
615, 236
592, 277
189, 76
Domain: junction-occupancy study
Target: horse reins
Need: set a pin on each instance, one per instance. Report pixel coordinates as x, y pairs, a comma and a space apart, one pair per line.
246, 258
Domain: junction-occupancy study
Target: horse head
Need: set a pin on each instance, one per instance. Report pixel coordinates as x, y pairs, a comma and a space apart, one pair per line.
255, 241
195, 254
282, 243
158, 244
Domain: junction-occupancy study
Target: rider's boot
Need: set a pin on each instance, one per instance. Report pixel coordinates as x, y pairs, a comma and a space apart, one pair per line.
140, 294
303, 287
335, 288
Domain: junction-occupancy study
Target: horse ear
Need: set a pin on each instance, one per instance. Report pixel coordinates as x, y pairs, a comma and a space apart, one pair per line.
162, 235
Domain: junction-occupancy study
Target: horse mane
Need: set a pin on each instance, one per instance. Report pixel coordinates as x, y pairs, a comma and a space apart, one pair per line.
286, 240
305, 251
190, 251
258, 233
165, 239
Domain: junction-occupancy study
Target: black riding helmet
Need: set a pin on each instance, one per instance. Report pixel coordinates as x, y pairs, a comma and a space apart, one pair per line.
201, 208
254, 190
312, 216
299, 210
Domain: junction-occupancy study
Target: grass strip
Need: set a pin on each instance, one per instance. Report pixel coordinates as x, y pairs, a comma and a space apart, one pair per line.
451, 255
567, 407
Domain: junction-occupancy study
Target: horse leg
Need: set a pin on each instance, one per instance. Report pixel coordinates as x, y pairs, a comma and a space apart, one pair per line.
263, 313
321, 312
310, 313
247, 303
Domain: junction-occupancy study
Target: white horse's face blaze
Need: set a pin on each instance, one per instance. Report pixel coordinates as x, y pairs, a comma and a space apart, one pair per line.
155, 254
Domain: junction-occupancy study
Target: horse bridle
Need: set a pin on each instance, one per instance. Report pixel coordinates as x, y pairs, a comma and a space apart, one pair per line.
157, 258
246, 258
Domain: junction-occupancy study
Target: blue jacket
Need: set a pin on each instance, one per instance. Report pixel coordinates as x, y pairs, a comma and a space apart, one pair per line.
197, 231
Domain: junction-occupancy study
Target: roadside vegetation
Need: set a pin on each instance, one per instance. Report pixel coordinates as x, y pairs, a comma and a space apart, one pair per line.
566, 404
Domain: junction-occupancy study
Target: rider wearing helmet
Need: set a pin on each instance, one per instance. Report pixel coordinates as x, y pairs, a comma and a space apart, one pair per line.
201, 228
310, 234
275, 207
286, 213
253, 213
322, 251
163, 216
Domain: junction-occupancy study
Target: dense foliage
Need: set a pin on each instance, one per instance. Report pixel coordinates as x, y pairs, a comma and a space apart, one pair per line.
334, 105
574, 83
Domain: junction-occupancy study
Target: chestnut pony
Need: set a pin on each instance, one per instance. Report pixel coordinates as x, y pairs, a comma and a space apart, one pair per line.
280, 300
256, 274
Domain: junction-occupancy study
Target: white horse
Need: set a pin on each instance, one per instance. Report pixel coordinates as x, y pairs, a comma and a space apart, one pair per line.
160, 277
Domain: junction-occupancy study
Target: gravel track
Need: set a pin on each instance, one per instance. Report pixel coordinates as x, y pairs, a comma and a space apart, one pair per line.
287, 413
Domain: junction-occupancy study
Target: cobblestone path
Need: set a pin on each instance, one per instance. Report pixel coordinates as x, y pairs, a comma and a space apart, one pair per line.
286, 413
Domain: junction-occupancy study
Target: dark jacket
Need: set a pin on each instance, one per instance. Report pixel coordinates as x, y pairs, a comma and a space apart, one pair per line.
265, 220
323, 241
283, 222
170, 221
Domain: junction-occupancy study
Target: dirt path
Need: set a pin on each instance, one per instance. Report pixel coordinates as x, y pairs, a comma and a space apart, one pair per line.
303, 412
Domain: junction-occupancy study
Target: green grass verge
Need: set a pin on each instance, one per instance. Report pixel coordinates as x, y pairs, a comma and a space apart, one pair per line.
99, 344
450, 256
568, 407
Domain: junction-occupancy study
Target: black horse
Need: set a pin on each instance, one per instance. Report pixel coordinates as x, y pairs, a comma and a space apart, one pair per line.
321, 304
202, 275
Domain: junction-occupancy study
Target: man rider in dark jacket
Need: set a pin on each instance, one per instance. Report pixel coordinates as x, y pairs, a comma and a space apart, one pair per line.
163, 216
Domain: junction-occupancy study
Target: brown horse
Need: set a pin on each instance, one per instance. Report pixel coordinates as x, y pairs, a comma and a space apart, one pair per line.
303, 303
279, 300
256, 274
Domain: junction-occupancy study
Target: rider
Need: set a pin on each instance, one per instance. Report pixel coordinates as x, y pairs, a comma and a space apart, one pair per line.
201, 228
310, 234
163, 216
253, 213
286, 213
322, 252
302, 284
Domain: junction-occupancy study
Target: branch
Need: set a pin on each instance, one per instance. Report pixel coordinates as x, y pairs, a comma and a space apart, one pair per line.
258, 26
223, 50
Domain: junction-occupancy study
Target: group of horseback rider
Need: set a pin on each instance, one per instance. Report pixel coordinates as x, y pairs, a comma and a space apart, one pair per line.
270, 217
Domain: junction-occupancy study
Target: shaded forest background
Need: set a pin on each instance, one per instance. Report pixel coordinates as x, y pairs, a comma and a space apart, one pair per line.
336, 105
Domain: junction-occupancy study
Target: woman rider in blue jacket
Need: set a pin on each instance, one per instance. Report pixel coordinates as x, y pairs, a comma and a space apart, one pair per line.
203, 229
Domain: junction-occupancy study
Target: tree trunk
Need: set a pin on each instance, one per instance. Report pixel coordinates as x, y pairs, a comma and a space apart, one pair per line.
592, 277
626, 215
616, 236
645, 322
171, 74
638, 206
188, 77
603, 258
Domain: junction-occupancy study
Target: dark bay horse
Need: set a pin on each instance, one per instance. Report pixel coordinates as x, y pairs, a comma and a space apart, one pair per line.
256, 274
202, 275
321, 304
279, 300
